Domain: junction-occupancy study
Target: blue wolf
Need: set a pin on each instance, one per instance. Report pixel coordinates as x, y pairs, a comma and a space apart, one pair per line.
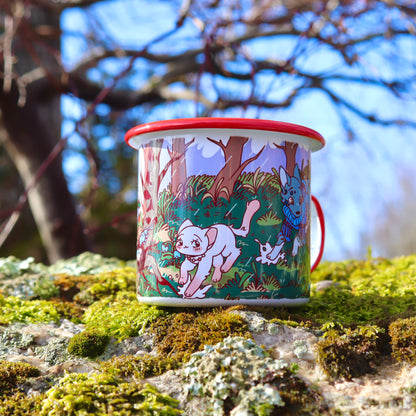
294, 226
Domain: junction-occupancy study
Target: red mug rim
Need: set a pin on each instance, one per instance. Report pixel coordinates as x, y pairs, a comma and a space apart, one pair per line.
224, 123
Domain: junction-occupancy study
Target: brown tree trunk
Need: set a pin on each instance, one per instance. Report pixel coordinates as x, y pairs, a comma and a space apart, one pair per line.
31, 129
224, 182
179, 173
290, 150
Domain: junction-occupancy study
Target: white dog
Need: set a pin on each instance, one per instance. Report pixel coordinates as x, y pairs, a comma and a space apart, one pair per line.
205, 248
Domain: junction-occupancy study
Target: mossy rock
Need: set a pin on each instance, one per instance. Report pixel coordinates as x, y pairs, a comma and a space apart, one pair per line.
349, 353
19, 404
236, 376
105, 394
121, 316
178, 335
12, 374
13, 309
372, 300
85, 289
88, 344
139, 367
374, 291
403, 339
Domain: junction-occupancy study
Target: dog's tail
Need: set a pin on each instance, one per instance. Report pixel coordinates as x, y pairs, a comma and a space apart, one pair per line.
251, 208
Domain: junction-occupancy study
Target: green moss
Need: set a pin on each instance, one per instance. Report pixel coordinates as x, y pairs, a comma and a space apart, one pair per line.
105, 394
26, 311
68, 310
299, 398
372, 275
181, 334
403, 339
12, 374
350, 308
69, 286
371, 294
109, 283
19, 404
121, 316
349, 353
375, 291
86, 289
88, 344
139, 367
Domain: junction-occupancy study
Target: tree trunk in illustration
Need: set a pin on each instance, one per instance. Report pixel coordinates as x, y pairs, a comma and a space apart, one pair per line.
179, 172
224, 182
148, 197
149, 187
290, 150
31, 128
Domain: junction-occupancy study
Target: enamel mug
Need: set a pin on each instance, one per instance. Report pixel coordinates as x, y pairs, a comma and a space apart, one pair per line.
225, 213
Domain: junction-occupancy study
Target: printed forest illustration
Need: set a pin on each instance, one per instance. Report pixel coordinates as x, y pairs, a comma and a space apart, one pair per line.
224, 218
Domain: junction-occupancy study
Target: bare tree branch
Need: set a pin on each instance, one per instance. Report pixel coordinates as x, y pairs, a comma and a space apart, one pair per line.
60, 5
221, 67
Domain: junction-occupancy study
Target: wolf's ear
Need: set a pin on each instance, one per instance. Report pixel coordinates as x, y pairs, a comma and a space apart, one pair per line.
211, 235
296, 173
284, 177
185, 224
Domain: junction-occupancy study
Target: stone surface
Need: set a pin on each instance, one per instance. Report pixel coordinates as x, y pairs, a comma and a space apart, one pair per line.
289, 348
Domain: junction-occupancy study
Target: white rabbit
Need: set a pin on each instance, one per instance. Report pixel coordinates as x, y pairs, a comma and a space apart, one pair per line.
270, 255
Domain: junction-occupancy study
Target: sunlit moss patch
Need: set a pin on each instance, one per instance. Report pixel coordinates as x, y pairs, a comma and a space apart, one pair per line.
12, 374
86, 289
403, 339
13, 309
139, 367
180, 334
105, 394
121, 316
18, 404
68, 310
375, 291
88, 344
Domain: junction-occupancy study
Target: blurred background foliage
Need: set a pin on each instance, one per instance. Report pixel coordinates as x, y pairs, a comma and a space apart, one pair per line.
77, 74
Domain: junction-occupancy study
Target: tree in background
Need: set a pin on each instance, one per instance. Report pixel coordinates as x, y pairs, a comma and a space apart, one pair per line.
192, 58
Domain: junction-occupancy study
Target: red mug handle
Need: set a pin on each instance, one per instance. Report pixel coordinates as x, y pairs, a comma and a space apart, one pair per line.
317, 233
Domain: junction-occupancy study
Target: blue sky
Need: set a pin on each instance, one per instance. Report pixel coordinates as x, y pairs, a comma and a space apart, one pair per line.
352, 180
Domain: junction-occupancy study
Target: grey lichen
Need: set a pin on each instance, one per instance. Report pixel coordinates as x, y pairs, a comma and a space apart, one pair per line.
13, 267
234, 376
87, 263
257, 323
12, 339
55, 352
300, 348
26, 279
